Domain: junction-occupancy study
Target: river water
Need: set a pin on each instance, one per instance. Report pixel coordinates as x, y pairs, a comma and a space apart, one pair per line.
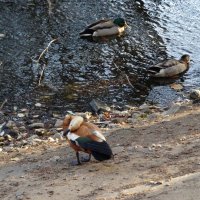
77, 70
177, 22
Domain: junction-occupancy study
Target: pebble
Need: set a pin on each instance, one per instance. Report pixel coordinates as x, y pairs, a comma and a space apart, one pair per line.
15, 159
50, 139
195, 94
36, 125
57, 136
40, 131
38, 105
58, 123
8, 149
21, 115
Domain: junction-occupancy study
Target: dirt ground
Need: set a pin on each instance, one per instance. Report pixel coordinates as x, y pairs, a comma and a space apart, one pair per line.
158, 160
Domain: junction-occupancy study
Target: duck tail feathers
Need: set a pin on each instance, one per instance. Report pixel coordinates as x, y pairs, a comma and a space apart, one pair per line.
100, 150
86, 33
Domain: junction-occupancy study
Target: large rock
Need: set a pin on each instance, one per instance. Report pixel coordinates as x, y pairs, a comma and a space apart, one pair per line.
98, 106
164, 96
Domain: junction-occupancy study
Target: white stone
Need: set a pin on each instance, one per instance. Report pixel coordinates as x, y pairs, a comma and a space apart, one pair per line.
21, 115
38, 104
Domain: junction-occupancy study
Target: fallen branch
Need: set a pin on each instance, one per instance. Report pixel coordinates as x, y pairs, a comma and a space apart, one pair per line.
41, 75
125, 75
2, 105
50, 7
129, 81
38, 60
47, 48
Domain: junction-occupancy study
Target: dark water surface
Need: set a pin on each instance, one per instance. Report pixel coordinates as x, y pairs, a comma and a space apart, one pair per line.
78, 70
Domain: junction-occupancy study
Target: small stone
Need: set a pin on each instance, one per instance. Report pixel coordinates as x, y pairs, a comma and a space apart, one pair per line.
15, 108
195, 94
176, 86
21, 115
2, 36
174, 109
8, 149
35, 116
58, 123
10, 124
24, 142
40, 131
57, 136
37, 140
36, 125
98, 106
38, 105
19, 195
50, 139
24, 110
1, 149
32, 138
15, 159
153, 116
118, 120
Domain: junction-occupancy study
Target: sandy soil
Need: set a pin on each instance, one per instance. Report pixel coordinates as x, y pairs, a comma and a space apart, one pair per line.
158, 160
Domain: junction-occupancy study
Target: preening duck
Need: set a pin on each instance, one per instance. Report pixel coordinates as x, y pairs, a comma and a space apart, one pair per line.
170, 68
86, 137
105, 27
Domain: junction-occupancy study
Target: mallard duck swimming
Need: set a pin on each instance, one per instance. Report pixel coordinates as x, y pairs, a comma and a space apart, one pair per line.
105, 27
170, 68
86, 137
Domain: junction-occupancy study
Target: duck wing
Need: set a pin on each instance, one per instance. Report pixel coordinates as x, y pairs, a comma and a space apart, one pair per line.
100, 150
99, 25
103, 23
166, 64
173, 70
163, 65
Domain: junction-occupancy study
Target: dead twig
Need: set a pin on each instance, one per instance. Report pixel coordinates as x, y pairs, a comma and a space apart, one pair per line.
50, 7
2, 105
129, 81
46, 49
38, 60
125, 75
41, 75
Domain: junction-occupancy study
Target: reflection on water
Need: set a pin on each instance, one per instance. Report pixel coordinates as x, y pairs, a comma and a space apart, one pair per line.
78, 70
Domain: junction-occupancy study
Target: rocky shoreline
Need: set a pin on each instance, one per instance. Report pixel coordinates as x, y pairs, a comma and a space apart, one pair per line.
29, 127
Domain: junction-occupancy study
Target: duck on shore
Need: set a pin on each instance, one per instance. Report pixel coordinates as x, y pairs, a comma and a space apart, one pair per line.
170, 68
105, 27
86, 137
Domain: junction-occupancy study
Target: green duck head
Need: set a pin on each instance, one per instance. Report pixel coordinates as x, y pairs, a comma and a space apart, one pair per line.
185, 58
120, 22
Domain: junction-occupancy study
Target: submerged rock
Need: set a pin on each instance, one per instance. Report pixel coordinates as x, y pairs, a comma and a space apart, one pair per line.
195, 94
164, 96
